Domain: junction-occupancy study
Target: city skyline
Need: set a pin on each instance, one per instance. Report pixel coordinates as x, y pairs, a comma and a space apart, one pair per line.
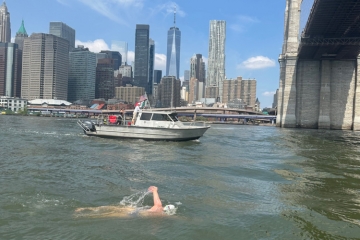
253, 43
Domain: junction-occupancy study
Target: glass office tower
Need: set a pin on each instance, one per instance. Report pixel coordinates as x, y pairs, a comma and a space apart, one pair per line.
173, 51
141, 66
62, 30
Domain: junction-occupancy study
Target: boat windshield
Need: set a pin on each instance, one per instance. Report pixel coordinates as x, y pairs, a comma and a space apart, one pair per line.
164, 117
173, 116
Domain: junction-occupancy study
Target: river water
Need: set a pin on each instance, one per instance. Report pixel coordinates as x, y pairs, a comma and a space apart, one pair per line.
236, 182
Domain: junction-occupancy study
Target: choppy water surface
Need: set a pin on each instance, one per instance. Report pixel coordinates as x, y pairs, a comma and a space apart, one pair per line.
237, 182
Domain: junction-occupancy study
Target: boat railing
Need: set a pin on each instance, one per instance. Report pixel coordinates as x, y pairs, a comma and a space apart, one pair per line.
104, 119
83, 126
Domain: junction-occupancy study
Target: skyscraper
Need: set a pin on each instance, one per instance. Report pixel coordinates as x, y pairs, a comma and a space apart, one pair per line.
105, 85
62, 30
173, 51
116, 56
197, 70
216, 61
45, 67
157, 76
151, 65
20, 35
5, 30
169, 92
141, 66
10, 70
122, 47
82, 74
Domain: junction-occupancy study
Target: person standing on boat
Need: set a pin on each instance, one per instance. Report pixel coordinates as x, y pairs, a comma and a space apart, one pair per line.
122, 114
135, 113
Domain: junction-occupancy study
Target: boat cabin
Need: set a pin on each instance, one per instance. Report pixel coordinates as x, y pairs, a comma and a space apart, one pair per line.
158, 119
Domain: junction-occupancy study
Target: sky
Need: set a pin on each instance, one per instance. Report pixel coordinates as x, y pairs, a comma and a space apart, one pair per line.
254, 30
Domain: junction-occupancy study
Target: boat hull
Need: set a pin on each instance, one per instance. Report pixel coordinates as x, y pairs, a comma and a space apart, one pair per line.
148, 133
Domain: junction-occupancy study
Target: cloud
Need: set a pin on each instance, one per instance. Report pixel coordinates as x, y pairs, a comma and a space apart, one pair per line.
160, 61
168, 8
131, 57
268, 94
94, 46
111, 8
244, 18
257, 62
63, 2
241, 22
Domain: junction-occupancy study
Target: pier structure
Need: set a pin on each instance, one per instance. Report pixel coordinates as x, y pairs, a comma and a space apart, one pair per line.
319, 67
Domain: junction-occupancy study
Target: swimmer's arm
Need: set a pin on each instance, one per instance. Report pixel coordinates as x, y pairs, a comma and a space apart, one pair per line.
157, 202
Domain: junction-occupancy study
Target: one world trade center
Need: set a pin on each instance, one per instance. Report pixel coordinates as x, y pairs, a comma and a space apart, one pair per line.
173, 51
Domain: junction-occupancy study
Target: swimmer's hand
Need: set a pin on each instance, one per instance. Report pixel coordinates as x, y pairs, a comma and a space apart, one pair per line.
152, 189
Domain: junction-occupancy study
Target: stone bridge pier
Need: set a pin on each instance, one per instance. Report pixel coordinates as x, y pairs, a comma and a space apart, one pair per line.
318, 93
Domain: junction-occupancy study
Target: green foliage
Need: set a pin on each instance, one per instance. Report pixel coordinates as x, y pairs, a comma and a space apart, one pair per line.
23, 111
201, 118
184, 119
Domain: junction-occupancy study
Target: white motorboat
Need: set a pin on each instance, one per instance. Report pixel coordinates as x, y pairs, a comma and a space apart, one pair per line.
149, 125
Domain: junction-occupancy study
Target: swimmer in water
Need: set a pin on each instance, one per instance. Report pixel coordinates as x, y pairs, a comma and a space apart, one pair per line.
126, 211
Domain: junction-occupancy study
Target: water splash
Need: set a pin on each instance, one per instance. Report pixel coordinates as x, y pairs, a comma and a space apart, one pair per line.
135, 200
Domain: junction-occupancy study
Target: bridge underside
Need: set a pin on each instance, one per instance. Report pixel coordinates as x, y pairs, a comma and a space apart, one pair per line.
332, 31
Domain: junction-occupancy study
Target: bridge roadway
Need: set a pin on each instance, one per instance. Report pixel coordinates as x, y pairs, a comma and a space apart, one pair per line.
222, 113
332, 30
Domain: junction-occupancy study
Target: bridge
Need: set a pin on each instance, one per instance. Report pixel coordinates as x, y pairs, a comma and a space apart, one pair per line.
319, 66
193, 112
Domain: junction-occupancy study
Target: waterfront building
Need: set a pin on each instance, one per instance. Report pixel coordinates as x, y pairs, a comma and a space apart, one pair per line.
184, 94
274, 105
12, 103
10, 70
239, 88
125, 71
82, 74
155, 101
212, 92
116, 56
193, 90
5, 30
20, 36
151, 65
248, 91
257, 107
105, 81
169, 92
157, 76
122, 47
141, 65
173, 51
197, 70
216, 61
45, 67
62, 30
231, 89
129, 94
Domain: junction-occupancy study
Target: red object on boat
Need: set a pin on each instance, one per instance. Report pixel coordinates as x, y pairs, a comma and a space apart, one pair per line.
112, 119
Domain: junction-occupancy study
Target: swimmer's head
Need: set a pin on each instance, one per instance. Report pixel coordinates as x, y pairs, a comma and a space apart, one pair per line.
170, 209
